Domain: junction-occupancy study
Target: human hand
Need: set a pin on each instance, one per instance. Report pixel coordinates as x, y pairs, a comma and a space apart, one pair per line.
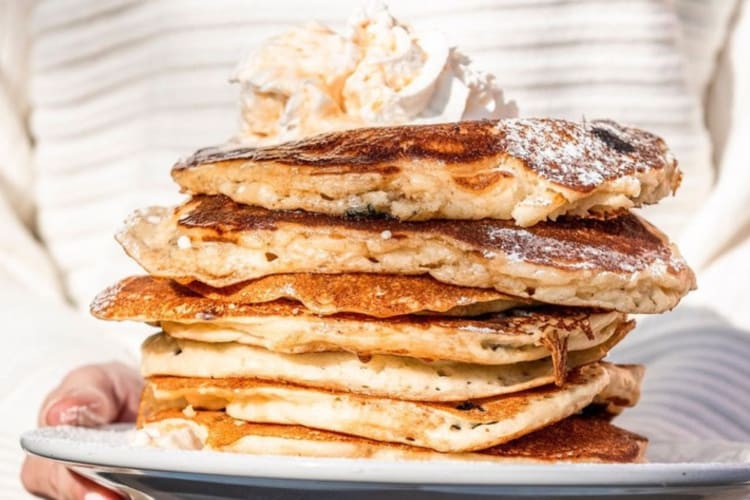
88, 396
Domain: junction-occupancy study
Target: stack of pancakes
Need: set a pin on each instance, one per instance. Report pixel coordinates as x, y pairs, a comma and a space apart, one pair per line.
418, 291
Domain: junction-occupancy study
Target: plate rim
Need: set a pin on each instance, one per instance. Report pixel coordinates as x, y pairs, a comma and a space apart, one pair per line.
387, 472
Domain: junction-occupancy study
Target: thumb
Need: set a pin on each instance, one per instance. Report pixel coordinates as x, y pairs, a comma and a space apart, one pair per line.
85, 407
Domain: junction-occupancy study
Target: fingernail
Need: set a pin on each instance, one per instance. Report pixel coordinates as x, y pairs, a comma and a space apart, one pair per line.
81, 416
79, 408
93, 495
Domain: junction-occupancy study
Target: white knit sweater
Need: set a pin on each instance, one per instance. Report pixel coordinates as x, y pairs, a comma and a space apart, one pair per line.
99, 98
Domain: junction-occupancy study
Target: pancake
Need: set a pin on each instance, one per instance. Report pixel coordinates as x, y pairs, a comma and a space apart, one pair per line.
395, 377
378, 295
575, 439
497, 339
527, 170
375, 295
283, 326
446, 427
622, 263
623, 389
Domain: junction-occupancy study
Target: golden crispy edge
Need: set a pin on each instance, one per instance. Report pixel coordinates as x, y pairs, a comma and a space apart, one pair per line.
373, 295
151, 299
376, 295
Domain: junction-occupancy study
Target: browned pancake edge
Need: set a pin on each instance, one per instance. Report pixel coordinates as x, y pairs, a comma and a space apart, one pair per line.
625, 243
576, 155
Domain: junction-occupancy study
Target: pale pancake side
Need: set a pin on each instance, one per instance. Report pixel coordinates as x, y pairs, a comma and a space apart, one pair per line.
396, 377
624, 388
494, 341
464, 426
623, 263
528, 170
575, 439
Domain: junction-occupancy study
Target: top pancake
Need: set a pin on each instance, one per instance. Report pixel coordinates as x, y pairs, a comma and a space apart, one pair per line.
527, 170
622, 263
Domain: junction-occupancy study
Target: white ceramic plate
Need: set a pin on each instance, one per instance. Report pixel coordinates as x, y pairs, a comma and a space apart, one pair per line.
107, 455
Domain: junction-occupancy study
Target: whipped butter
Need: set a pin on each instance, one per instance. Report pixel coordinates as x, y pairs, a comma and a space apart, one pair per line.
378, 71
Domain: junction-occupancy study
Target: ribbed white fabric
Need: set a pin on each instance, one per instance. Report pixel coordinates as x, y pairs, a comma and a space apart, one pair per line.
116, 90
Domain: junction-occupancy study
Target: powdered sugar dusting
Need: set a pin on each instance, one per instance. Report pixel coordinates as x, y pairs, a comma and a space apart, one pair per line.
518, 243
288, 290
477, 329
623, 244
582, 156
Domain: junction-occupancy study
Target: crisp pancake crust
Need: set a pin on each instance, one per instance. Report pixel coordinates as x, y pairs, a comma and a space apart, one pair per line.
575, 439
468, 425
524, 169
377, 295
622, 263
374, 295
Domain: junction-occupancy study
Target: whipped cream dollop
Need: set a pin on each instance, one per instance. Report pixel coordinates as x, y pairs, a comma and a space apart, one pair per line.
313, 79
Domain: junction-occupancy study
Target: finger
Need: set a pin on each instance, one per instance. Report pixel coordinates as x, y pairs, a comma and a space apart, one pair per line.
53, 480
93, 395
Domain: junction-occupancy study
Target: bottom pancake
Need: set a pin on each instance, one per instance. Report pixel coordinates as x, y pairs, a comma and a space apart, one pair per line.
445, 427
575, 439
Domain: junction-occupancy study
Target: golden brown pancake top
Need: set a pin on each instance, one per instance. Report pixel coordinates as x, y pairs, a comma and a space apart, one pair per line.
624, 243
578, 156
379, 295
147, 298
572, 437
